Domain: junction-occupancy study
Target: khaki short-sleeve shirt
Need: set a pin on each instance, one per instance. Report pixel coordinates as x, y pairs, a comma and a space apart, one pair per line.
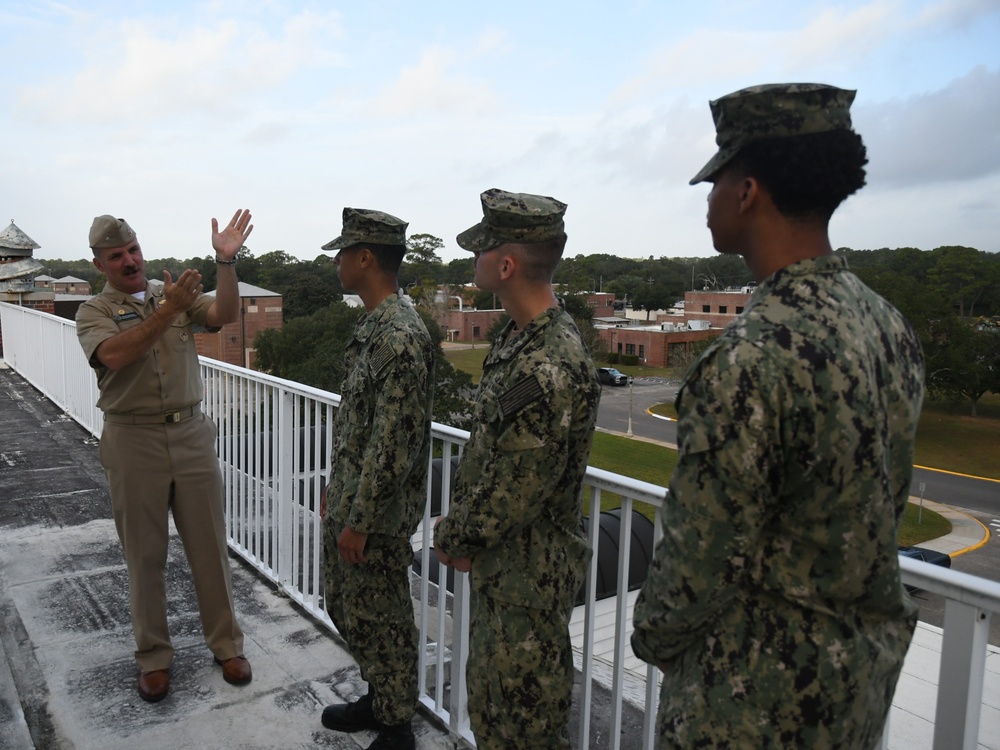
167, 377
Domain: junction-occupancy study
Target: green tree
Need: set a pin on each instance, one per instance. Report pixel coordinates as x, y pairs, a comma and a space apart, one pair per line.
624, 287
658, 294
310, 349
962, 273
961, 360
421, 265
459, 272
483, 300
583, 316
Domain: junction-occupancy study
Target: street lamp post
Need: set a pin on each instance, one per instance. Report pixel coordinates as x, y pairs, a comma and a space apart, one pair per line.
628, 432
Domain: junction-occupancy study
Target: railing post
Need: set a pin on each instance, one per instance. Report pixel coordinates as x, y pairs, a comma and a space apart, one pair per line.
590, 598
282, 484
621, 616
960, 682
459, 708
652, 673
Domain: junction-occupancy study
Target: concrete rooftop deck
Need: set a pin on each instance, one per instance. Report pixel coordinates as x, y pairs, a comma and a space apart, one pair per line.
67, 675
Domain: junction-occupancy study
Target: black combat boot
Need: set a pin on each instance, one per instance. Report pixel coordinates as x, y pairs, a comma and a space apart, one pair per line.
352, 717
395, 737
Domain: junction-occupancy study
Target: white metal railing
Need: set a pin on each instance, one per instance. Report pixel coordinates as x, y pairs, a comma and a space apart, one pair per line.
274, 441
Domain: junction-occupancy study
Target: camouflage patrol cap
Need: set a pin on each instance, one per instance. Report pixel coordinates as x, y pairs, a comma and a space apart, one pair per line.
107, 231
774, 110
514, 217
365, 225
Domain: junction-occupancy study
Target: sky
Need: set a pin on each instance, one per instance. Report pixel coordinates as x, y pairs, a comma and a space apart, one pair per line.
171, 113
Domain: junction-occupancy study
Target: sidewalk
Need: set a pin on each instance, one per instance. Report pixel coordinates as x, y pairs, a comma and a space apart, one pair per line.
966, 532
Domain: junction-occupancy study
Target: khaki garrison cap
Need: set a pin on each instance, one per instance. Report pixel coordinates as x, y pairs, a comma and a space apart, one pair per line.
107, 231
365, 225
774, 110
520, 218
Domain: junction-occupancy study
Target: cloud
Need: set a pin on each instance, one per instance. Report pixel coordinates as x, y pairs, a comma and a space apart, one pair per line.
211, 68
832, 38
956, 13
950, 134
432, 86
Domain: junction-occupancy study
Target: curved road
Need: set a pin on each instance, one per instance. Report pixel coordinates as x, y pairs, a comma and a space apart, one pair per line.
970, 493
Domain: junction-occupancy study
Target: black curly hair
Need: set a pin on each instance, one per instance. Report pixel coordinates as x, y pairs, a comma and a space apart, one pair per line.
807, 176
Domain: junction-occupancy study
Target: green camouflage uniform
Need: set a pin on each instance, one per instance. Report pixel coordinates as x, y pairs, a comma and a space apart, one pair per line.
378, 487
516, 510
774, 603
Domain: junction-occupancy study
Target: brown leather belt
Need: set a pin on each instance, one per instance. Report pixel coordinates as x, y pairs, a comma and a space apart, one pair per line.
171, 417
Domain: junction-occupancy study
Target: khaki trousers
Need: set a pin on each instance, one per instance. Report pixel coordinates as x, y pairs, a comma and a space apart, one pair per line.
153, 470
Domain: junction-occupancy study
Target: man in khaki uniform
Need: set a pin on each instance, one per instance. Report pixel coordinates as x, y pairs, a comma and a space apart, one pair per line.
157, 447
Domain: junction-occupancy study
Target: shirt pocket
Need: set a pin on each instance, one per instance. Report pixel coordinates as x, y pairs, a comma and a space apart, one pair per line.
180, 336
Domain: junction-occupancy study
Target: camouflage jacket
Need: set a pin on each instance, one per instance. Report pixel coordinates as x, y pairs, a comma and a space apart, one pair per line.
381, 432
774, 600
516, 503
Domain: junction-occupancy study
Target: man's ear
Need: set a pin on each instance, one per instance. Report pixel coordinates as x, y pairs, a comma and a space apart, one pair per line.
98, 265
508, 265
749, 193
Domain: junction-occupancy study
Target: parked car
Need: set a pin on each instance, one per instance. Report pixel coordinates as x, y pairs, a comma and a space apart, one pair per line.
611, 376
925, 555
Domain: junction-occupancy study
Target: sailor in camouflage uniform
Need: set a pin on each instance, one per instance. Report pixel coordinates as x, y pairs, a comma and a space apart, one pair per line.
377, 489
774, 605
515, 515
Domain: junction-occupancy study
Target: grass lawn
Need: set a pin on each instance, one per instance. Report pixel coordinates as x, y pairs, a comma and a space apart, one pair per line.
654, 463
931, 526
948, 438
471, 361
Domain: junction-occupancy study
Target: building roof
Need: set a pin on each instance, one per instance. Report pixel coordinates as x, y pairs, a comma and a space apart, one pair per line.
249, 290
19, 269
13, 239
44, 277
69, 280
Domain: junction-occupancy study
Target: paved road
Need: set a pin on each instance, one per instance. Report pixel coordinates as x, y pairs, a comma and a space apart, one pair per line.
613, 413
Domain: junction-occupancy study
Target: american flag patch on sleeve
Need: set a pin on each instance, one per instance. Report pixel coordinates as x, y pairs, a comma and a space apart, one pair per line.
381, 360
524, 392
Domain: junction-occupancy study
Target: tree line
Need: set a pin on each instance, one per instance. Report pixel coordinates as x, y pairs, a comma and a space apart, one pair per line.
951, 295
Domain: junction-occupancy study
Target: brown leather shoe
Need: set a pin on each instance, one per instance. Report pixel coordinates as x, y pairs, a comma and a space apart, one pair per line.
154, 686
235, 671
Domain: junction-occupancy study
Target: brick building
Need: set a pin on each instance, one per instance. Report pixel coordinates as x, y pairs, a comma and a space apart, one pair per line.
718, 308
465, 324
70, 285
670, 342
259, 309
653, 345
